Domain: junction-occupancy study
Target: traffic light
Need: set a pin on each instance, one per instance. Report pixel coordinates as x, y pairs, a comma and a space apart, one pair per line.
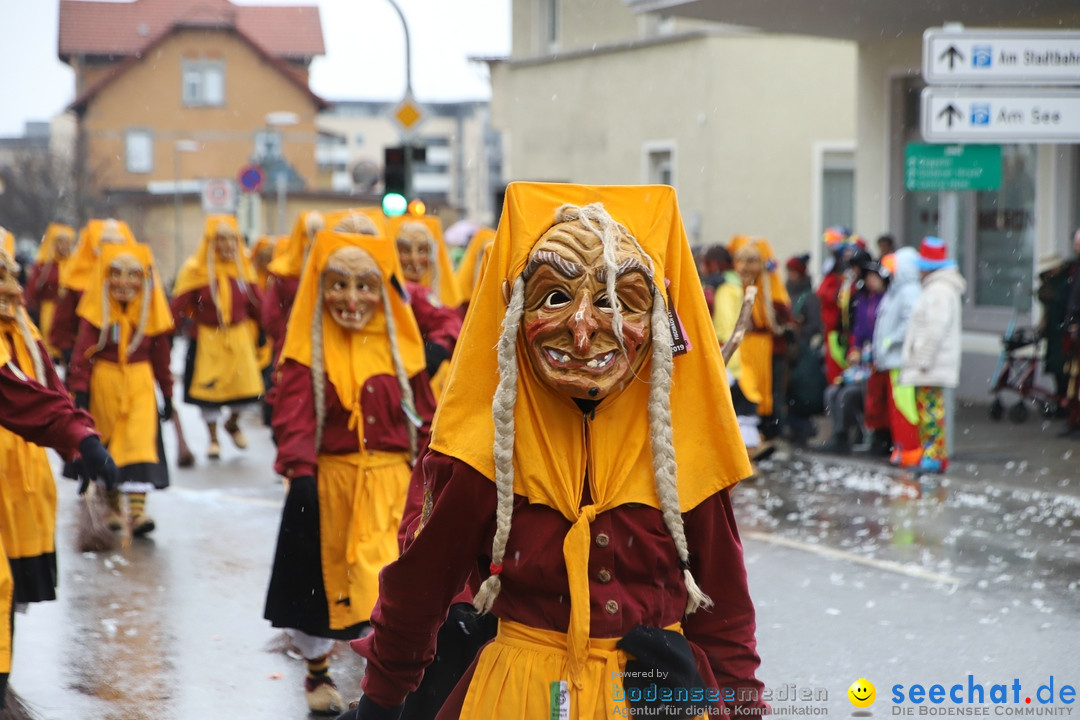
417, 207
396, 177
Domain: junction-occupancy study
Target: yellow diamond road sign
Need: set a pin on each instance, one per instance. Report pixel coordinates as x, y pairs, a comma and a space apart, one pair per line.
407, 113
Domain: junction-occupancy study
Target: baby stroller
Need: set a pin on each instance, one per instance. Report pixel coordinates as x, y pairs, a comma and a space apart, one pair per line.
1018, 372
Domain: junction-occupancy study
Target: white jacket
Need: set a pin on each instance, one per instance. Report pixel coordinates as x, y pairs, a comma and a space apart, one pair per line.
931, 356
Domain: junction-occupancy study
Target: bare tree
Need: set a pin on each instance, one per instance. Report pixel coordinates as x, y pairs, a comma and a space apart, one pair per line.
40, 187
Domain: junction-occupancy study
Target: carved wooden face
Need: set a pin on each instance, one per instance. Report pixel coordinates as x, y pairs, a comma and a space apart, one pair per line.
414, 246
225, 247
351, 288
125, 278
10, 290
568, 320
748, 264
63, 244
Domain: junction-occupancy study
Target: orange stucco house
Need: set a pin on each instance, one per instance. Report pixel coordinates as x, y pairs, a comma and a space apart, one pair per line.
151, 72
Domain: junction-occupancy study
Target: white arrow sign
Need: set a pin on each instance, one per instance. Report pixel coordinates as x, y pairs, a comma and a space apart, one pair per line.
1001, 57
1000, 115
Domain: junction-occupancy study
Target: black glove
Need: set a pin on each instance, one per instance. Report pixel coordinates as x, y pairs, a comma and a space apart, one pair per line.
434, 355
97, 463
167, 409
82, 400
367, 709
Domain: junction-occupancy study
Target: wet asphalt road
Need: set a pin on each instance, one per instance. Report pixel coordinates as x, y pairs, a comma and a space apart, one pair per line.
855, 571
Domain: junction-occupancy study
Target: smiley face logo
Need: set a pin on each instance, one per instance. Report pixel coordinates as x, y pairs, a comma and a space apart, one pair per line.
862, 693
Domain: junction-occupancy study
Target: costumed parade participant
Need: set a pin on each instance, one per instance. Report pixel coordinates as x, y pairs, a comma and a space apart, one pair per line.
472, 262
43, 283
828, 293
35, 412
352, 413
122, 348
283, 277
215, 290
431, 282
76, 273
579, 463
260, 256
755, 264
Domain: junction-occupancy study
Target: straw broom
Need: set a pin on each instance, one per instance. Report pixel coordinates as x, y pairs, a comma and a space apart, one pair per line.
92, 534
741, 325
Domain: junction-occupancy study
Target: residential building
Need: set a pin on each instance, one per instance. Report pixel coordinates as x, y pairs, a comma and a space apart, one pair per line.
755, 131
174, 91
998, 235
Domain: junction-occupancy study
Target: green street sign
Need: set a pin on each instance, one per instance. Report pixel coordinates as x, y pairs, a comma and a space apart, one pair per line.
952, 167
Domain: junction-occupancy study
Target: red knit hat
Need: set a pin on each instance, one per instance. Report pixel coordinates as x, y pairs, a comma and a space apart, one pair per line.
933, 255
797, 263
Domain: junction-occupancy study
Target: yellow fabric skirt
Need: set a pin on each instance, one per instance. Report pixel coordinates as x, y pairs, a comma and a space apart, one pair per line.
7, 596
361, 500
226, 368
27, 499
438, 383
756, 378
514, 676
46, 312
123, 401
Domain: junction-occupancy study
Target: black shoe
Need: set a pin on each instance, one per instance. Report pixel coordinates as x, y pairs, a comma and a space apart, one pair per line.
837, 444
881, 443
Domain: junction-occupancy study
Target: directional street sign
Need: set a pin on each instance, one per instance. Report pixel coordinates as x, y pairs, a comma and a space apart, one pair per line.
1002, 115
952, 167
1001, 57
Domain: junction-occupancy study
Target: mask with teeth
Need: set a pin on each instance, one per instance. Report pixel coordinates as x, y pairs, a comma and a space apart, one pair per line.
125, 278
568, 323
748, 264
10, 291
351, 287
225, 243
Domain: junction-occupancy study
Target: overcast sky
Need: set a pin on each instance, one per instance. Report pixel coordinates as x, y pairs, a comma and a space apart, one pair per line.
360, 36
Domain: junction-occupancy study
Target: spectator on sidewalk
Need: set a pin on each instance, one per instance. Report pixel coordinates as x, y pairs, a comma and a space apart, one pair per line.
1072, 346
894, 312
931, 355
805, 391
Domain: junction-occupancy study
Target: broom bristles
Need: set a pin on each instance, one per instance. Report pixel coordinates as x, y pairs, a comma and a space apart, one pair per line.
92, 533
15, 708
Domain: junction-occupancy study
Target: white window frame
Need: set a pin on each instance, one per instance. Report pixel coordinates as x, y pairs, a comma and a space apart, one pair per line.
197, 83
653, 164
139, 150
826, 155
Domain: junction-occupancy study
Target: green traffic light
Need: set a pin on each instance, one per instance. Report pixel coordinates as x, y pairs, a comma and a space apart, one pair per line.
394, 204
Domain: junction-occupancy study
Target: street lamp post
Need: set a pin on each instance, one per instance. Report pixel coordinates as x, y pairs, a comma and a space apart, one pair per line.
408, 52
277, 120
179, 148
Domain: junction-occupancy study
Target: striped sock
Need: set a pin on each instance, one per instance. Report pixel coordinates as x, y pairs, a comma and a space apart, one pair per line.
318, 667
136, 503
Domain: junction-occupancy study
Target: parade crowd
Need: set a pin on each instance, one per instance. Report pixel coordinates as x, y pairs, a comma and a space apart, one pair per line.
545, 434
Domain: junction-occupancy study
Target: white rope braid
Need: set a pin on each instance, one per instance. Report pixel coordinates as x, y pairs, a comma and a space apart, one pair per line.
502, 410
144, 313
103, 332
32, 347
318, 375
665, 469
399, 371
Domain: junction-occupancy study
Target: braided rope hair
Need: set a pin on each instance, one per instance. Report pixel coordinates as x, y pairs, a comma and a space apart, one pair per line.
144, 312
665, 472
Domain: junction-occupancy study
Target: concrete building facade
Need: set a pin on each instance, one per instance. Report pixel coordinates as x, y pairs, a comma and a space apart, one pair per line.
756, 132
